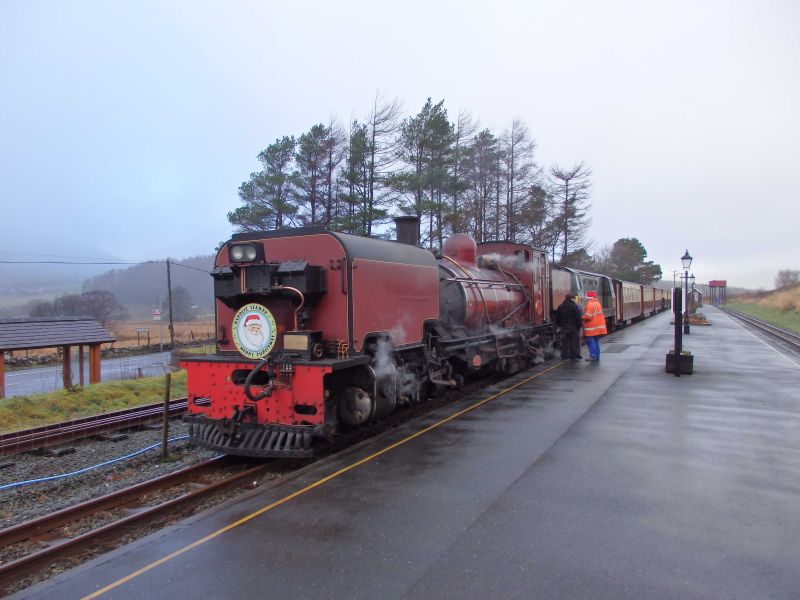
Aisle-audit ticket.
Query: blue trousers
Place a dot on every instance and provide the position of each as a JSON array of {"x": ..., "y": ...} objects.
[{"x": 593, "y": 345}]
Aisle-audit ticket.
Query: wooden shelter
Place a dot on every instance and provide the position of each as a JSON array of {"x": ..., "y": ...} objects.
[{"x": 55, "y": 332}]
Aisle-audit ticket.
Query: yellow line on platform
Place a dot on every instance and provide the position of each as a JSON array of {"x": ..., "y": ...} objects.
[{"x": 310, "y": 487}]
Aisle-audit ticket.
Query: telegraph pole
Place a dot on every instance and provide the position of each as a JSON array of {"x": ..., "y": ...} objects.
[{"x": 169, "y": 300}]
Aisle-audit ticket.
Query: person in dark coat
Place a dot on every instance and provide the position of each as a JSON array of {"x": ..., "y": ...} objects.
[{"x": 569, "y": 321}]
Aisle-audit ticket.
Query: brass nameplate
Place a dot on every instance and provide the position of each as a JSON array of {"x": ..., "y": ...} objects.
[{"x": 295, "y": 342}]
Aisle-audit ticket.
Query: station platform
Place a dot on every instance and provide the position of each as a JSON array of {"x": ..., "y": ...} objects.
[{"x": 586, "y": 480}]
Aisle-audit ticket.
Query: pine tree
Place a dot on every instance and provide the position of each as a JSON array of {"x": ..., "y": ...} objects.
[
  {"x": 481, "y": 174},
  {"x": 268, "y": 196},
  {"x": 424, "y": 146},
  {"x": 310, "y": 158},
  {"x": 355, "y": 179},
  {"x": 626, "y": 260},
  {"x": 535, "y": 219}
]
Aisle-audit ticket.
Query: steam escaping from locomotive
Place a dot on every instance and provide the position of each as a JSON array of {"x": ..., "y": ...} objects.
[
  {"x": 383, "y": 361},
  {"x": 505, "y": 261}
]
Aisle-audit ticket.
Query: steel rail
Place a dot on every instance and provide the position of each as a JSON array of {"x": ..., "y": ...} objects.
[
  {"x": 785, "y": 335},
  {"x": 35, "y": 529},
  {"x": 75, "y": 429}
]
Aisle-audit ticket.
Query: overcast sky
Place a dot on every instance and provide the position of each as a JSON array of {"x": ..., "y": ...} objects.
[{"x": 127, "y": 127}]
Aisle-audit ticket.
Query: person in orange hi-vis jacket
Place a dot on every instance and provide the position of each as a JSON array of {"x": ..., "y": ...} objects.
[{"x": 594, "y": 325}]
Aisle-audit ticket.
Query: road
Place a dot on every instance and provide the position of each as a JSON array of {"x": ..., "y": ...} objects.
[{"x": 47, "y": 379}]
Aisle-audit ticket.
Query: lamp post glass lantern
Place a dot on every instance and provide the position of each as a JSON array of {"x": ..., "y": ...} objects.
[{"x": 686, "y": 261}]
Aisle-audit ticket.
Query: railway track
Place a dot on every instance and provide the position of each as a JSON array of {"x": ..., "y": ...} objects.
[
  {"x": 789, "y": 337},
  {"x": 45, "y": 546},
  {"x": 69, "y": 431},
  {"x": 78, "y": 531}
]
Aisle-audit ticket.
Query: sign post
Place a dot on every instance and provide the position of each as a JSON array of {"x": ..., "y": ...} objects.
[
  {"x": 139, "y": 333},
  {"x": 157, "y": 317}
]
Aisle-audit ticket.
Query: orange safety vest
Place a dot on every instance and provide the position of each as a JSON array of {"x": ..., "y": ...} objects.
[{"x": 594, "y": 323}]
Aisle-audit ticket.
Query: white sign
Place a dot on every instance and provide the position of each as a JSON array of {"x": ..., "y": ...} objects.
[{"x": 156, "y": 315}]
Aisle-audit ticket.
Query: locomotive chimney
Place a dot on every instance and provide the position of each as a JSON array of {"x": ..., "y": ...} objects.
[{"x": 407, "y": 229}]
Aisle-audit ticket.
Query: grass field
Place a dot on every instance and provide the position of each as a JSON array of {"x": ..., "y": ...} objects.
[
  {"x": 786, "y": 319},
  {"x": 125, "y": 332},
  {"x": 204, "y": 349},
  {"x": 24, "y": 412}
]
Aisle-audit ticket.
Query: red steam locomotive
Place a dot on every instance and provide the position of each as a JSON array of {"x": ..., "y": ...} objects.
[{"x": 319, "y": 332}]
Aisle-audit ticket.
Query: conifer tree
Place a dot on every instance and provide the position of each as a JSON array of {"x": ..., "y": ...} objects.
[
  {"x": 268, "y": 196},
  {"x": 480, "y": 173},
  {"x": 310, "y": 158}
]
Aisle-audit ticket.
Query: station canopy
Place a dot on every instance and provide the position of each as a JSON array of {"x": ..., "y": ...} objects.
[
  {"x": 55, "y": 332},
  {"x": 51, "y": 332}
]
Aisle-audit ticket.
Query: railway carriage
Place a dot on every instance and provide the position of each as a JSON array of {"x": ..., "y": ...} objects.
[
  {"x": 648, "y": 300},
  {"x": 629, "y": 301},
  {"x": 575, "y": 282}
]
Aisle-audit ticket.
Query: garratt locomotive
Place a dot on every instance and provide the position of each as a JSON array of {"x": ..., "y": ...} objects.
[{"x": 319, "y": 332}]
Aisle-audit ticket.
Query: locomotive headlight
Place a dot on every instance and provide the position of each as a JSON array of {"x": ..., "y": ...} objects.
[{"x": 243, "y": 252}]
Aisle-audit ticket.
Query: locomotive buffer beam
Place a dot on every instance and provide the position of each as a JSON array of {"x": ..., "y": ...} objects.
[{"x": 251, "y": 439}]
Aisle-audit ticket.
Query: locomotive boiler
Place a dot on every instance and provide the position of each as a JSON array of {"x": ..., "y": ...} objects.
[{"x": 319, "y": 332}]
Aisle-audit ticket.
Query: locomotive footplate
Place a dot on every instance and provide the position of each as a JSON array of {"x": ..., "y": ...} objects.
[{"x": 251, "y": 439}]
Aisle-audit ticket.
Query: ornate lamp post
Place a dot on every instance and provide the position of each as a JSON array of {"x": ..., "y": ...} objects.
[{"x": 686, "y": 261}]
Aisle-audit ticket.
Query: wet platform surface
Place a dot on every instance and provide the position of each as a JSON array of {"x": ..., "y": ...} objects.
[{"x": 610, "y": 480}]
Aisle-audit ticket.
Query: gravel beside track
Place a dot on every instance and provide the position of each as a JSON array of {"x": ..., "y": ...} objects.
[{"x": 33, "y": 500}]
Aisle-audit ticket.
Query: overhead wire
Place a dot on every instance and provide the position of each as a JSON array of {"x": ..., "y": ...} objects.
[
  {"x": 67, "y": 262},
  {"x": 188, "y": 267},
  {"x": 53, "y": 255}
]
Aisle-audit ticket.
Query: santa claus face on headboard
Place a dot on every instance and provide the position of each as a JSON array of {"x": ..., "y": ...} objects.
[{"x": 254, "y": 330}]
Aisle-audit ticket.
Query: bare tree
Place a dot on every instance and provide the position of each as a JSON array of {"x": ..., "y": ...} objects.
[
  {"x": 520, "y": 171},
  {"x": 602, "y": 259},
  {"x": 334, "y": 146},
  {"x": 498, "y": 190},
  {"x": 481, "y": 174},
  {"x": 382, "y": 126},
  {"x": 571, "y": 188},
  {"x": 466, "y": 128},
  {"x": 98, "y": 304},
  {"x": 787, "y": 278}
]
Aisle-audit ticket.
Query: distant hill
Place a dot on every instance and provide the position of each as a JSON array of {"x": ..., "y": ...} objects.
[{"x": 139, "y": 287}]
